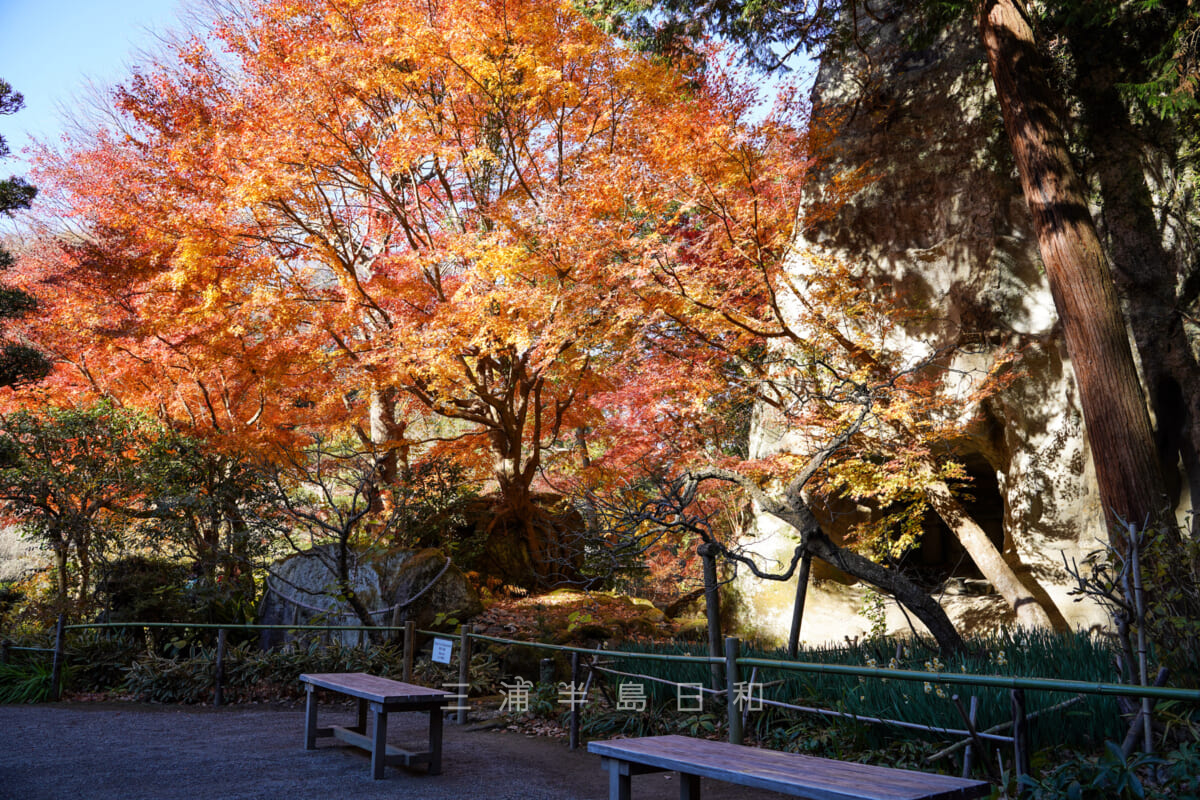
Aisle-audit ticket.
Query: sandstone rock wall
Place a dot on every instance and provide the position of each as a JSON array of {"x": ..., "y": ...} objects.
[{"x": 945, "y": 222}]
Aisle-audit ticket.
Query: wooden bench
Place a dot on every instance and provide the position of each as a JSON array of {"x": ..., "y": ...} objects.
[
  {"x": 789, "y": 773},
  {"x": 380, "y": 695}
]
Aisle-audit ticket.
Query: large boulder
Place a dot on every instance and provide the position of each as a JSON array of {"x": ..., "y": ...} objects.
[
  {"x": 19, "y": 557},
  {"x": 418, "y": 585}
]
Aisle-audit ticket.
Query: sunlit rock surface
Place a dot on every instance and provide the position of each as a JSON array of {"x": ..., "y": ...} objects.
[{"x": 945, "y": 223}]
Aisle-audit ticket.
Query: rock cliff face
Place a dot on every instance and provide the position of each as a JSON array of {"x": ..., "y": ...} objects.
[{"x": 945, "y": 222}]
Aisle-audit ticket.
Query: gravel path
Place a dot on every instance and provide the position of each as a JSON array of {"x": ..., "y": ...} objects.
[{"x": 126, "y": 751}]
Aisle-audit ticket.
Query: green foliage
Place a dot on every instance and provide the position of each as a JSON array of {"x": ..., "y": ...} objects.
[
  {"x": 19, "y": 363},
  {"x": 250, "y": 673},
  {"x": 1112, "y": 776},
  {"x": 1073, "y": 656},
  {"x": 145, "y": 589},
  {"x": 98, "y": 659},
  {"x": 1172, "y": 576},
  {"x": 25, "y": 683},
  {"x": 431, "y": 504}
]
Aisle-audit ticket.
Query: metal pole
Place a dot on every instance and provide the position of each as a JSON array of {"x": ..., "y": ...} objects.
[
  {"x": 219, "y": 671},
  {"x": 57, "y": 666},
  {"x": 731, "y": 686},
  {"x": 410, "y": 637},
  {"x": 969, "y": 751},
  {"x": 464, "y": 671},
  {"x": 573, "y": 742}
]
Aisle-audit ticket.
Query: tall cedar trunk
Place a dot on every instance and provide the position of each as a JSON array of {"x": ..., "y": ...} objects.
[
  {"x": 1114, "y": 411},
  {"x": 987, "y": 558},
  {"x": 1146, "y": 274}
]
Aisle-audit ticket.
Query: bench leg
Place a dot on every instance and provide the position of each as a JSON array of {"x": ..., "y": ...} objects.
[
  {"x": 378, "y": 741},
  {"x": 310, "y": 717},
  {"x": 435, "y": 741},
  {"x": 361, "y": 725},
  {"x": 689, "y": 786},
  {"x": 618, "y": 780}
]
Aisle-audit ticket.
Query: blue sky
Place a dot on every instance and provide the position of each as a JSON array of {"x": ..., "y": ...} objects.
[{"x": 51, "y": 49}]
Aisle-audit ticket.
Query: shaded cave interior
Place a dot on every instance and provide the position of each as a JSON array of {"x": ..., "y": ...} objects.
[{"x": 939, "y": 562}]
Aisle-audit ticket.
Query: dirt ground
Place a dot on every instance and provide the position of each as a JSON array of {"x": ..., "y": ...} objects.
[{"x": 129, "y": 751}]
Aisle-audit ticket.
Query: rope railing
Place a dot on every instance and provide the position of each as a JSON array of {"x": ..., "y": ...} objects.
[{"x": 732, "y": 662}]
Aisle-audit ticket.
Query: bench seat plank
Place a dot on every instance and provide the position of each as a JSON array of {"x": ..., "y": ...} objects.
[
  {"x": 790, "y": 773},
  {"x": 374, "y": 688}
]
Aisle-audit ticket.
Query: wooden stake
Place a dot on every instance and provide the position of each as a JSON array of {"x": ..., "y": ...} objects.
[
  {"x": 731, "y": 680},
  {"x": 410, "y": 636},
  {"x": 798, "y": 605},
  {"x": 219, "y": 671},
  {"x": 1020, "y": 734},
  {"x": 464, "y": 671},
  {"x": 573, "y": 742},
  {"x": 56, "y": 668}
]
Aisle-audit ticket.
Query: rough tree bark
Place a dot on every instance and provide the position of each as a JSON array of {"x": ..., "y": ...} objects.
[
  {"x": 1155, "y": 283},
  {"x": 1114, "y": 410}
]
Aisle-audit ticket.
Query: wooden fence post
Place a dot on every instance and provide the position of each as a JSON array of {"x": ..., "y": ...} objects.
[
  {"x": 464, "y": 671},
  {"x": 219, "y": 670},
  {"x": 410, "y": 637},
  {"x": 731, "y": 689},
  {"x": 1020, "y": 734},
  {"x": 56, "y": 668}
]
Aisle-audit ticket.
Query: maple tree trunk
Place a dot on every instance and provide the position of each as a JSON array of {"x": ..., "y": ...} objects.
[
  {"x": 386, "y": 430},
  {"x": 911, "y": 596},
  {"x": 1114, "y": 411},
  {"x": 987, "y": 558},
  {"x": 550, "y": 561},
  {"x": 85, "y": 569},
  {"x": 60, "y": 567},
  {"x": 915, "y": 599}
]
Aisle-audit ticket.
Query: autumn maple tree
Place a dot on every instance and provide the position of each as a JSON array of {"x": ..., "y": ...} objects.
[{"x": 365, "y": 214}]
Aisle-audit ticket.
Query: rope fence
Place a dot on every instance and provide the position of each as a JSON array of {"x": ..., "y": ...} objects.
[{"x": 731, "y": 665}]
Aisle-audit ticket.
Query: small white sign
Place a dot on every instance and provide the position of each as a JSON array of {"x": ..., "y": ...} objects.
[{"x": 442, "y": 648}]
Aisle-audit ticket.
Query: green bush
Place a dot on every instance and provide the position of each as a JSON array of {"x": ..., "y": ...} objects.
[
  {"x": 100, "y": 659},
  {"x": 249, "y": 673},
  {"x": 1111, "y": 776}
]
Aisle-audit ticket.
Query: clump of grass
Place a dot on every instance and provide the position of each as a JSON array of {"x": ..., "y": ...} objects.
[{"x": 25, "y": 683}]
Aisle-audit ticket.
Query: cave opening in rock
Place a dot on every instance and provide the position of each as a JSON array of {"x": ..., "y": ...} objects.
[{"x": 939, "y": 561}]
